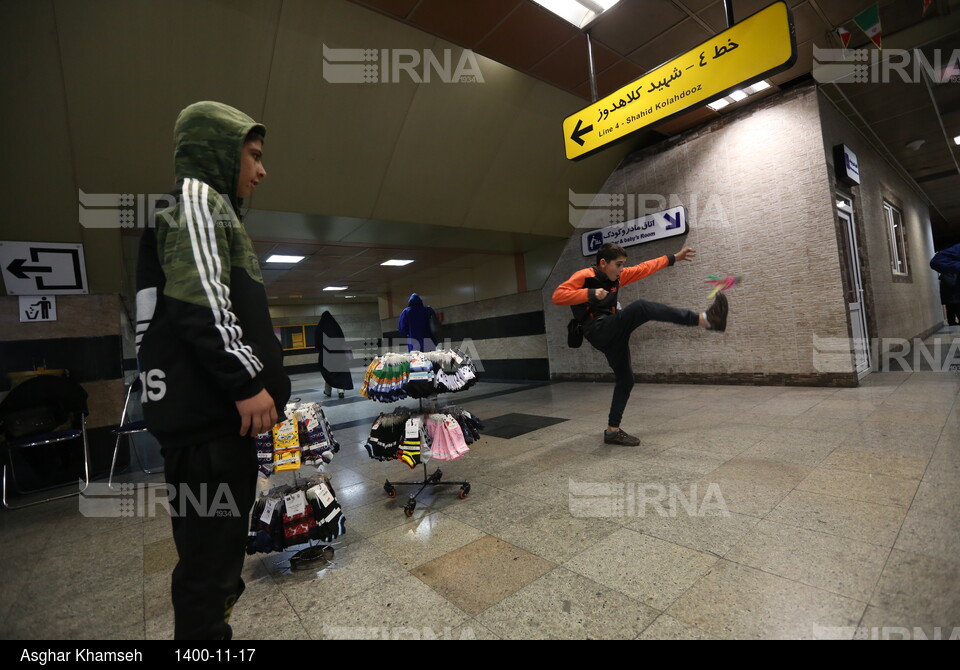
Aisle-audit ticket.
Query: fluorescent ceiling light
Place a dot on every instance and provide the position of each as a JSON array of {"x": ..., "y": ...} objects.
[
  {"x": 397, "y": 262},
  {"x": 759, "y": 86},
  {"x": 738, "y": 95},
  {"x": 349, "y": 296},
  {"x": 336, "y": 288},
  {"x": 577, "y": 12},
  {"x": 956, "y": 140},
  {"x": 278, "y": 258}
]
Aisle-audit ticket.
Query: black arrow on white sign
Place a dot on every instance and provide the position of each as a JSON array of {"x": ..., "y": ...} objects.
[
  {"x": 580, "y": 131},
  {"x": 19, "y": 270}
]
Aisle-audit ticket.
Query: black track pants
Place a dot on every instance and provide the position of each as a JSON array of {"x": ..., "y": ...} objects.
[
  {"x": 617, "y": 352},
  {"x": 215, "y": 485}
]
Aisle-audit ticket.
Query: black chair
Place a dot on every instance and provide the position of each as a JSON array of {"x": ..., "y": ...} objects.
[
  {"x": 42, "y": 411},
  {"x": 126, "y": 429}
]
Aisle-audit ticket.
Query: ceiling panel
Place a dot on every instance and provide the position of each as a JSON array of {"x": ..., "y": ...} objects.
[
  {"x": 465, "y": 26},
  {"x": 526, "y": 37},
  {"x": 839, "y": 12},
  {"x": 567, "y": 67},
  {"x": 620, "y": 74},
  {"x": 631, "y": 23},
  {"x": 693, "y": 6},
  {"x": 808, "y": 24},
  {"x": 399, "y": 9},
  {"x": 678, "y": 40}
]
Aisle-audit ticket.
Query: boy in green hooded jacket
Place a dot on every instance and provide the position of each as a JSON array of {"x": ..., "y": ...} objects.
[{"x": 211, "y": 367}]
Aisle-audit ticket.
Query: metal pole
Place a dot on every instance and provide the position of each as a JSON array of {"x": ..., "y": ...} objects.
[
  {"x": 728, "y": 8},
  {"x": 593, "y": 70}
]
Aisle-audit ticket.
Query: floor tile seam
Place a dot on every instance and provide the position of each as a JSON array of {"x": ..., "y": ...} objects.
[
  {"x": 874, "y": 592},
  {"x": 409, "y": 573},
  {"x": 73, "y": 539},
  {"x": 843, "y": 497},
  {"x": 767, "y": 572},
  {"x": 401, "y": 525},
  {"x": 514, "y": 493},
  {"x": 649, "y": 533},
  {"x": 687, "y": 590},
  {"x": 496, "y": 534},
  {"x": 369, "y": 586},
  {"x": 861, "y": 472},
  {"x": 293, "y": 609},
  {"x": 560, "y": 566},
  {"x": 803, "y": 583},
  {"x": 822, "y": 532},
  {"x": 616, "y": 589}
]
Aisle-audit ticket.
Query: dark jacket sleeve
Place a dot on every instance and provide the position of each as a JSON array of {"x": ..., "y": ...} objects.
[
  {"x": 404, "y": 326},
  {"x": 947, "y": 260}
]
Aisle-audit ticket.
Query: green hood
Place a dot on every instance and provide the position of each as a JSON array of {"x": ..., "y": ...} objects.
[{"x": 209, "y": 139}]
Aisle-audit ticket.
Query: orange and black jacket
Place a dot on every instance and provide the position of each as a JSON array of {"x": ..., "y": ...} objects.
[{"x": 579, "y": 292}]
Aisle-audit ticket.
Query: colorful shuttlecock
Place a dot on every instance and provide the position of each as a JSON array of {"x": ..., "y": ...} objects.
[{"x": 721, "y": 283}]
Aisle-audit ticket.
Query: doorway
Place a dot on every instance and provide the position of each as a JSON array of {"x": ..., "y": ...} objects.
[{"x": 853, "y": 284}]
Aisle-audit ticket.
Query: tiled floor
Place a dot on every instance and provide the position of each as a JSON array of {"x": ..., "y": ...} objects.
[{"x": 748, "y": 512}]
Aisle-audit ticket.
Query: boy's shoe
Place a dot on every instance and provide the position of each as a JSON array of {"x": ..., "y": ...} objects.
[
  {"x": 620, "y": 438},
  {"x": 717, "y": 313}
]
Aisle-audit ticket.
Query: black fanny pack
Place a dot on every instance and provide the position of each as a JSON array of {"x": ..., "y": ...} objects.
[{"x": 574, "y": 334}]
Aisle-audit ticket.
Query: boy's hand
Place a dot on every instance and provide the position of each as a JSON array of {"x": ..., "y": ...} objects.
[
  {"x": 685, "y": 254},
  {"x": 600, "y": 294},
  {"x": 257, "y": 414}
]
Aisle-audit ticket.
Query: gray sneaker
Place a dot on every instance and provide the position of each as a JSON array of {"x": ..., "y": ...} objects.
[{"x": 620, "y": 438}]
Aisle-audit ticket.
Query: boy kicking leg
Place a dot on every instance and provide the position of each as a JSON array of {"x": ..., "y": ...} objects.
[{"x": 592, "y": 295}]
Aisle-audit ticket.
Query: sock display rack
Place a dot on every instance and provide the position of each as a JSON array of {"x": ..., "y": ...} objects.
[
  {"x": 415, "y": 435},
  {"x": 306, "y": 512}
]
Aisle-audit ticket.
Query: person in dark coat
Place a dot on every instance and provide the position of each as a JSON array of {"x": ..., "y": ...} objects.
[
  {"x": 947, "y": 263},
  {"x": 416, "y": 324}
]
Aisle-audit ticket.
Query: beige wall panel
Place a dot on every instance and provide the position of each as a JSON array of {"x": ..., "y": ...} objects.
[
  {"x": 130, "y": 67},
  {"x": 77, "y": 316},
  {"x": 39, "y": 191},
  {"x": 334, "y": 140}
]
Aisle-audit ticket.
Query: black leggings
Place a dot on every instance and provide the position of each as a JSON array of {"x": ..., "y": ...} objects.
[
  {"x": 618, "y": 352},
  {"x": 211, "y": 543}
]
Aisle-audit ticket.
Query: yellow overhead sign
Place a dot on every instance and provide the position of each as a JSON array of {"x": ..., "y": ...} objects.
[{"x": 751, "y": 50}]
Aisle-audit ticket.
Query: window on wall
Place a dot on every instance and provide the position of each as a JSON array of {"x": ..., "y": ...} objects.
[{"x": 898, "y": 246}]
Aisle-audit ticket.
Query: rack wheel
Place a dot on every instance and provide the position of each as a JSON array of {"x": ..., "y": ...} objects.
[
  {"x": 340, "y": 395},
  {"x": 409, "y": 507},
  {"x": 464, "y": 491},
  {"x": 391, "y": 492},
  {"x": 435, "y": 477}
]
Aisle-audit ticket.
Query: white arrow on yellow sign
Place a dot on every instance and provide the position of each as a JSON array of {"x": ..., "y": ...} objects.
[{"x": 754, "y": 49}]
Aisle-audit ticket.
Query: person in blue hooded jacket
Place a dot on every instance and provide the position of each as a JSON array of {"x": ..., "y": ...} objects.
[
  {"x": 947, "y": 261},
  {"x": 416, "y": 325}
]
